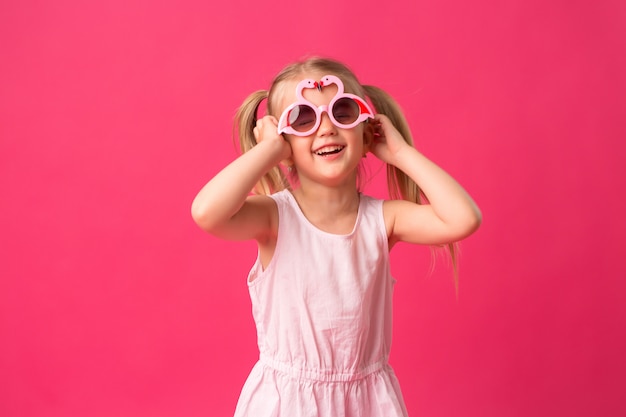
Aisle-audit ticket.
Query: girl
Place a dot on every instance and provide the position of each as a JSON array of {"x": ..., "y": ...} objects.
[{"x": 321, "y": 287}]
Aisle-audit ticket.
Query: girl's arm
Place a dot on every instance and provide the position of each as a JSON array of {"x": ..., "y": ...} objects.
[
  {"x": 451, "y": 215},
  {"x": 224, "y": 208}
]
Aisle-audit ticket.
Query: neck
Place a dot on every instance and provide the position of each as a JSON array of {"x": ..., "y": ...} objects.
[
  {"x": 332, "y": 209},
  {"x": 334, "y": 199}
]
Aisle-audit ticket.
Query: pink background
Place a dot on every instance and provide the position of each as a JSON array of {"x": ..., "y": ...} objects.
[{"x": 113, "y": 115}]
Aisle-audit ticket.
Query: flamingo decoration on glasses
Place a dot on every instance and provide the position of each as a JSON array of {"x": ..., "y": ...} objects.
[
  {"x": 308, "y": 83},
  {"x": 331, "y": 79},
  {"x": 365, "y": 112}
]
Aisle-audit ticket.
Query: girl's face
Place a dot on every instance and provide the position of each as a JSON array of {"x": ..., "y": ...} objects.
[{"x": 329, "y": 155}]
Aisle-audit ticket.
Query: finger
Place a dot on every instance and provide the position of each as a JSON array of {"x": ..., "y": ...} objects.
[{"x": 381, "y": 118}]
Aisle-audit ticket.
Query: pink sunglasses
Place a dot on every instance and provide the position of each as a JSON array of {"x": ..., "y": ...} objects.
[{"x": 345, "y": 110}]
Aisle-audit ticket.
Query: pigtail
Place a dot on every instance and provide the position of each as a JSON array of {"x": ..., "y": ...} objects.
[
  {"x": 400, "y": 185},
  {"x": 245, "y": 121}
]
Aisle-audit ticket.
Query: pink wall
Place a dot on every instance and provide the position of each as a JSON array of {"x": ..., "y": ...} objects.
[{"x": 113, "y": 303}]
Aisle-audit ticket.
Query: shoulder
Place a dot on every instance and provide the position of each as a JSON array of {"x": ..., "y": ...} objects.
[
  {"x": 279, "y": 197},
  {"x": 390, "y": 207},
  {"x": 260, "y": 201},
  {"x": 402, "y": 218},
  {"x": 256, "y": 219},
  {"x": 370, "y": 201},
  {"x": 268, "y": 204},
  {"x": 274, "y": 206}
]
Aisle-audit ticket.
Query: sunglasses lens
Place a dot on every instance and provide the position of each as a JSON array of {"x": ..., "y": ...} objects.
[
  {"x": 301, "y": 118},
  {"x": 346, "y": 111}
]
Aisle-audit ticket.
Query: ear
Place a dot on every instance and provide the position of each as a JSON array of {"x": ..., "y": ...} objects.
[
  {"x": 368, "y": 136},
  {"x": 287, "y": 163}
]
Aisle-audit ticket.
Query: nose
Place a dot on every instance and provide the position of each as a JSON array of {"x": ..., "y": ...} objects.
[{"x": 327, "y": 127}]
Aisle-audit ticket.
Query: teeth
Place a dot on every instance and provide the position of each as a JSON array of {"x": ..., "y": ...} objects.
[{"x": 329, "y": 149}]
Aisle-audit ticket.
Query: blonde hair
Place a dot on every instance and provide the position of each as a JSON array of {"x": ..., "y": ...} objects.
[{"x": 400, "y": 185}]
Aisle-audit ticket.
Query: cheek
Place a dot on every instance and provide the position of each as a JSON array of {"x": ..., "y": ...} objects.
[
  {"x": 298, "y": 144},
  {"x": 361, "y": 134}
]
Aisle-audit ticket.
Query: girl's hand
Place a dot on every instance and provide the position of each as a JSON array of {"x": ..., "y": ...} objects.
[
  {"x": 266, "y": 130},
  {"x": 387, "y": 141}
]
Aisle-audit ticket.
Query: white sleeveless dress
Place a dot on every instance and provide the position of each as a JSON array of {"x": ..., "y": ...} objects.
[{"x": 323, "y": 314}]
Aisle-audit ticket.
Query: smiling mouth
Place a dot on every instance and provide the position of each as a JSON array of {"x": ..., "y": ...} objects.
[{"x": 329, "y": 150}]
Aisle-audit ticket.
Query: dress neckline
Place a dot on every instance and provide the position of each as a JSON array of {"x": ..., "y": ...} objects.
[{"x": 300, "y": 213}]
